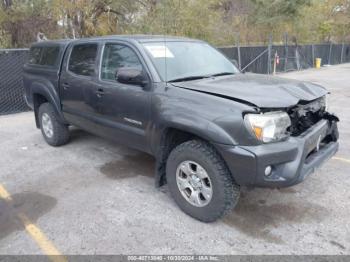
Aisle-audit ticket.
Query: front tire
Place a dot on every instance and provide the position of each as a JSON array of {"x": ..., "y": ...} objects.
[
  {"x": 200, "y": 182},
  {"x": 54, "y": 132}
]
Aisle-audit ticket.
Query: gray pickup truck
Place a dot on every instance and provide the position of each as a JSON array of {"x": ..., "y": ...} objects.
[{"x": 211, "y": 128}]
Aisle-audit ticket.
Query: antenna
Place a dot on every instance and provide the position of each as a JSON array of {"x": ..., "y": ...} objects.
[{"x": 165, "y": 47}]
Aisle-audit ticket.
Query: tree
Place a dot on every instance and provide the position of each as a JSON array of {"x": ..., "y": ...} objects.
[
  {"x": 217, "y": 21},
  {"x": 21, "y": 21},
  {"x": 99, "y": 17}
]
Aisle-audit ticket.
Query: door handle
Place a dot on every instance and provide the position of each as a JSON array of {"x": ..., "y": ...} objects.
[
  {"x": 65, "y": 86},
  {"x": 100, "y": 92}
]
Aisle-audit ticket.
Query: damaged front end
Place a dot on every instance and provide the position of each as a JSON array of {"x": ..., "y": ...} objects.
[
  {"x": 307, "y": 114},
  {"x": 311, "y": 139}
]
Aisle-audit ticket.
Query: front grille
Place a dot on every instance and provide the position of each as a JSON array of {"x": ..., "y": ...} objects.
[{"x": 303, "y": 116}]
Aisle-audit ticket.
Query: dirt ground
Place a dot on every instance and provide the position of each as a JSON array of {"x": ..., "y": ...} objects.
[{"x": 95, "y": 197}]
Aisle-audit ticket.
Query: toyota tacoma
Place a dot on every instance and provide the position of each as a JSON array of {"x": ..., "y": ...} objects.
[{"x": 211, "y": 128}]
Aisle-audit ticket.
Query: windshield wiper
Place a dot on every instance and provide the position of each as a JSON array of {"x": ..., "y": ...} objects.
[
  {"x": 223, "y": 74},
  {"x": 188, "y": 78}
]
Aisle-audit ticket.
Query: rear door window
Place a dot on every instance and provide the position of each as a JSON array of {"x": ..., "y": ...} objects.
[{"x": 82, "y": 59}]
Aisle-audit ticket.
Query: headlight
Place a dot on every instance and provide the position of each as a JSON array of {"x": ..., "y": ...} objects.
[
  {"x": 326, "y": 102},
  {"x": 268, "y": 127},
  {"x": 323, "y": 102}
]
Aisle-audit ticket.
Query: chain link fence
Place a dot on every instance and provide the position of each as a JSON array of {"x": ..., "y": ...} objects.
[
  {"x": 261, "y": 59},
  {"x": 255, "y": 59},
  {"x": 11, "y": 85}
]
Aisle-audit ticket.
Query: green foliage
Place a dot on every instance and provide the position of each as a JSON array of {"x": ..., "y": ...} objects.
[
  {"x": 21, "y": 20},
  {"x": 272, "y": 11},
  {"x": 217, "y": 21},
  {"x": 196, "y": 19}
]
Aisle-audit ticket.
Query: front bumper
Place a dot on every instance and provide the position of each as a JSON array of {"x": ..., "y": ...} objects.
[{"x": 291, "y": 160}]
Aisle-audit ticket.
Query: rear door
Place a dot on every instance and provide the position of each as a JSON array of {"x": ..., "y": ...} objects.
[{"x": 77, "y": 88}]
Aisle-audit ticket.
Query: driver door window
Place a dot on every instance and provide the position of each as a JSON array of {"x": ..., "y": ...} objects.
[{"x": 116, "y": 56}]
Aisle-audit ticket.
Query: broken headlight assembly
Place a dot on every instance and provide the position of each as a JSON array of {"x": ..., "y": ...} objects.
[
  {"x": 268, "y": 127},
  {"x": 326, "y": 102}
]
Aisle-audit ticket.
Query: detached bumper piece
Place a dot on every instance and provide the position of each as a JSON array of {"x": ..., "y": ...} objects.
[{"x": 284, "y": 163}]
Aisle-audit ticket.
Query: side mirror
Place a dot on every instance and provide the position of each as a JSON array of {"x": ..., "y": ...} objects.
[{"x": 131, "y": 76}]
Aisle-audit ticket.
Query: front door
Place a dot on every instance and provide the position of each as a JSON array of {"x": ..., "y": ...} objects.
[{"x": 122, "y": 107}]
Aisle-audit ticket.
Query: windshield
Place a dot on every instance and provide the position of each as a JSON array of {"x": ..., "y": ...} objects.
[{"x": 188, "y": 60}]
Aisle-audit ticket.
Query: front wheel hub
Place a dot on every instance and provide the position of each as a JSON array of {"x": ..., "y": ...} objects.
[{"x": 194, "y": 183}]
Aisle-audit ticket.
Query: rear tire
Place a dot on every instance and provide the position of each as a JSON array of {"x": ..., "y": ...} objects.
[
  {"x": 54, "y": 132},
  {"x": 208, "y": 174}
]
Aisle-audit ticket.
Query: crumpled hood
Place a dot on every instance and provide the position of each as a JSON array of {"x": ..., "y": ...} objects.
[{"x": 260, "y": 90}]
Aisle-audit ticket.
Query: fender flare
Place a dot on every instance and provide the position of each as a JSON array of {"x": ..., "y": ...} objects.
[
  {"x": 49, "y": 92},
  {"x": 203, "y": 129},
  {"x": 200, "y": 127}
]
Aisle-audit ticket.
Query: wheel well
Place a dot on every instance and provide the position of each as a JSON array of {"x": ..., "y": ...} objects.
[
  {"x": 171, "y": 138},
  {"x": 38, "y": 100}
]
